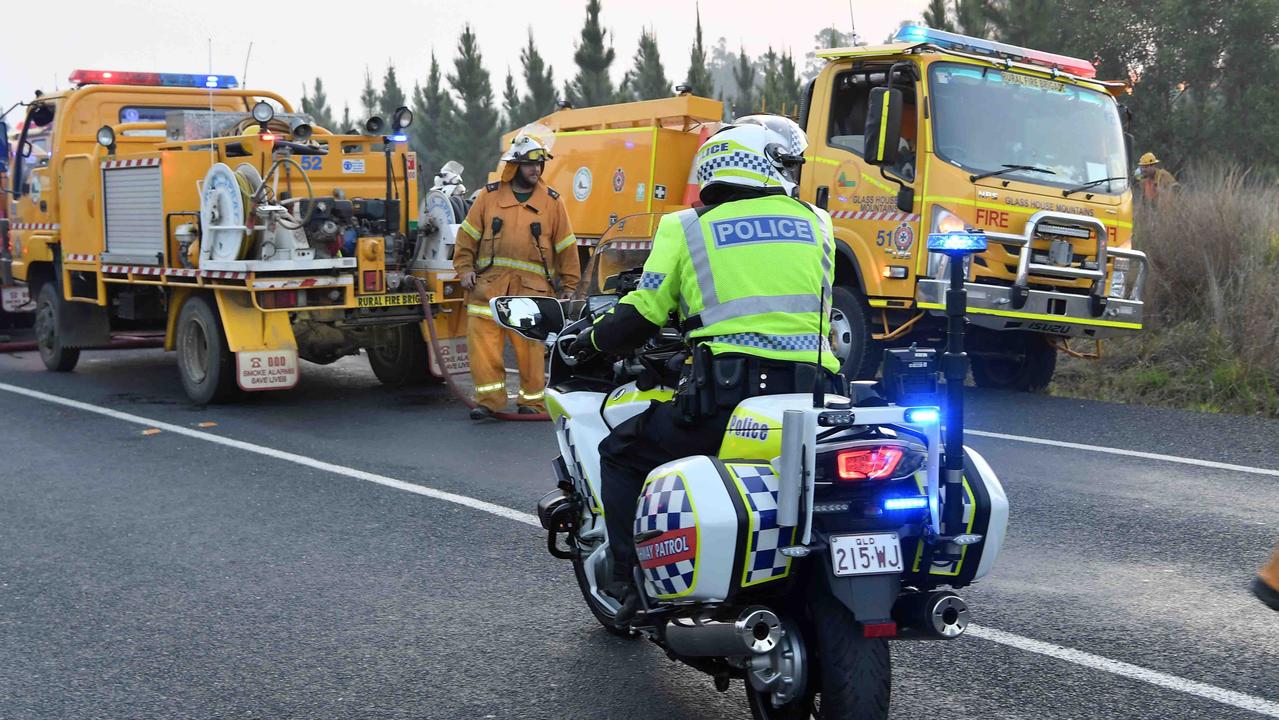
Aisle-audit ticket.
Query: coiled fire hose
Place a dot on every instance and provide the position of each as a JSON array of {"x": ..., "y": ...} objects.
[{"x": 425, "y": 296}]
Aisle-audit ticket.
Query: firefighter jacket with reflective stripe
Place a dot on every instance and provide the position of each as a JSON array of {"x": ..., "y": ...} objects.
[
  {"x": 752, "y": 276},
  {"x": 517, "y": 248}
]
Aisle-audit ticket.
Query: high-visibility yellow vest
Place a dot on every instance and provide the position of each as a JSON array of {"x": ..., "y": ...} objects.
[{"x": 755, "y": 275}]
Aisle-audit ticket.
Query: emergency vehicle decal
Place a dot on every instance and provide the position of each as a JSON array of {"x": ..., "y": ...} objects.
[
  {"x": 669, "y": 561},
  {"x": 34, "y": 226},
  {"x": 172, "y": 272},
  {"x": 758, "y": 486},
  {"x": 138, "y": 162},
  {"x": 873, "y": 215},
  {"x": 582, "y": 183},
  {"x": 619, "y": 180},
  {"x": 79, "y": 258}
]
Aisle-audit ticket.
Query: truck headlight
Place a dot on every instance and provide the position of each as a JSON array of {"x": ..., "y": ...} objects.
[{"x": 944, "y": 221}]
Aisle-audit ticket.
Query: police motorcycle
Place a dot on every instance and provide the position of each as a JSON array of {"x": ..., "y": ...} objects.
[{"x": 825, "y": 526}]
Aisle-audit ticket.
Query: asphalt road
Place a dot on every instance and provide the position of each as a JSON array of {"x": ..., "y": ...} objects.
[{"x": 157, "y": 575}]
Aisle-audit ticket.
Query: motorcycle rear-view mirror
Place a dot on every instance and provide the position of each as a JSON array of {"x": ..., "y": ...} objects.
[{"x": 536, "y": 318}]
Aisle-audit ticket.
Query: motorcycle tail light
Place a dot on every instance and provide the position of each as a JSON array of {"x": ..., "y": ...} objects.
[{"x": 869, "y": 463}]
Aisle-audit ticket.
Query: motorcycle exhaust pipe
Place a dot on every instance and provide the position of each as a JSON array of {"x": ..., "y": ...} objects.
[
  {"x": 940, "y": 615},
  {"x": 755, "y": 631}
]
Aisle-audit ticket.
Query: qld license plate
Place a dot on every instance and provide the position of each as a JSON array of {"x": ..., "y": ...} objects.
[
  {"x": 377, "y": 301},
  {"x": 867, "y": 554}
]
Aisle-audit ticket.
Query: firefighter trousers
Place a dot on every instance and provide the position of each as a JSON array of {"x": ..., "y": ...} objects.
[{"x": 486, "y": 342}]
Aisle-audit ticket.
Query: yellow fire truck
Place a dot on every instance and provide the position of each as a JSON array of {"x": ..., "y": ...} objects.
[
  {"x": 967, "y": 133},
  {"x": 217, "y": 215}
]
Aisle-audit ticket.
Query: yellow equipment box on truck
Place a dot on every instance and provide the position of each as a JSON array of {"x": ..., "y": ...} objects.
[
  {"x": 251, "y": 237},
  {"x": 1025, "y": 145}
]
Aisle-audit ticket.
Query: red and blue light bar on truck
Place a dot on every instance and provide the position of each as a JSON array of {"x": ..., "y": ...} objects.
[
  {"x": 189, "y": 80},
  {"x": 978, "y": 46}
]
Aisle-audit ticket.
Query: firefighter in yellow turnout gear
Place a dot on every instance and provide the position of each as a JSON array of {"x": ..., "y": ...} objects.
[{"x": 516, "y": 240}]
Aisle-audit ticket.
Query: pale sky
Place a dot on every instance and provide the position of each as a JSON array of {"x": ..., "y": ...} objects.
[{"x": 338, "y": 40}]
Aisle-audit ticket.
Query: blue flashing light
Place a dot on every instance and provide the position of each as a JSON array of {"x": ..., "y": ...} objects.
[
  {"x": 111, "y": 77},
  {"x": 965, "y": 43},
  {"x": 906, "y": 503},
  {"x": 399, "y": 137},
  {"x": 957, "y": 242},
  {"x": 923, "y": 416}
]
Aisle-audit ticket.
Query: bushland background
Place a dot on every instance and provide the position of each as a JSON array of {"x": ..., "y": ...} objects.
[{"x": 1203, "y": 97}]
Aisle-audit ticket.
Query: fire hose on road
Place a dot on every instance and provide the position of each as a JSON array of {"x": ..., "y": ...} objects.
[
  {"x": 119, "y": 342},
  {"x": 453, "y": 387}
]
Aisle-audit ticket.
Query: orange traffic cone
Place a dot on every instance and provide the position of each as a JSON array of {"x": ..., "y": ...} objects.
[{"x": 1266, "y": 585}]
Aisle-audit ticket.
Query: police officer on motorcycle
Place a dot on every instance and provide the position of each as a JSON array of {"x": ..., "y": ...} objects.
[{"x": 748, "y": 276}]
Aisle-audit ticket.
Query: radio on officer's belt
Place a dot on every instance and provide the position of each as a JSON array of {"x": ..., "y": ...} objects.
[{"x": 910, "y": 376}]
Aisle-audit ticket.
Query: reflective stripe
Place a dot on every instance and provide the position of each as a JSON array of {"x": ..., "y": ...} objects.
[
  {"x": 491, "y": 387},
  {"x": 699, "y": 257},
  {"x": 534, "y": 396},
  {"x": 758, "y": 305},
  {"x": 470, "y": 230},
  {"x": 519, "y": 265},
  {"x": 566, "y": 243},
  {"x": 782, "y": 343},
  {"x": 481, "y": 310},
  {"x": 883, "y": 123}
]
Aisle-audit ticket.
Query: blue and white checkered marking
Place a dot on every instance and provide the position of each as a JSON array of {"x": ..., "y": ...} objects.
[
  {"x": 651, "y": 280},
  {"x": 665, "y": 506},
  {"x": 737, "y": 160},
  {"x": 764, "y": 561},
  {"x": 807, "y": 341}
]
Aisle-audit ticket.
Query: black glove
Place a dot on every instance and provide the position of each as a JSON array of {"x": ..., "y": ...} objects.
[{"x": 584, "y": 343}]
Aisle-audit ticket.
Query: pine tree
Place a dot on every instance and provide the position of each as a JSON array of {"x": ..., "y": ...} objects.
[
  {"x": 699, "y": 76},
  {"x": 346, "y": 118},
  {"x": 392, "y": 97},
  {"x": 317, "y": 106},
  {"x": 773, "y": 93},
  {"x": 647, "y": 79},
  {"x": 539, "y": 84},
  {"x": 512, "y": 104},
  {"x": 592, "y": 85},
  {"x": 790, "y": 84},
  {"x": 973, "y": 17},
  {"x": 937, "y": 15},
  {"x": 475, "y": 133},
  {"x": 829, "y": 37},
  {"x": 432, "y": 122},
  {"x": 369, "y": 100},
  {"x": 744, "y": 102}
]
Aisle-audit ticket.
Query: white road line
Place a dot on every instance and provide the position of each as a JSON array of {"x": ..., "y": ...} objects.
[
  {"x": 1128, "y": 453},
  {"x": 1095, "y": 662},
  {"x": 1134, "y": 672},
  {"x": 488, "y": 507}
]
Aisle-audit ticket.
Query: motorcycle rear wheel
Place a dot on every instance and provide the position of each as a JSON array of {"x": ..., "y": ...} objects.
[
  {"x": 856, "y": 671},
  {"x": 603, "y": 613}
]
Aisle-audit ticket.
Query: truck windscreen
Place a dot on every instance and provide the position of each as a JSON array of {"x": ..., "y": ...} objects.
[{"x": 985, "y": 120}]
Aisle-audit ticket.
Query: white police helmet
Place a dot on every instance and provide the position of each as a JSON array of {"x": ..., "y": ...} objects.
[{"x": 760, "y": 152}]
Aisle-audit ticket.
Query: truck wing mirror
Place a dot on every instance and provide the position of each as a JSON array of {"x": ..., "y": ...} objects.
[{"x": 883, "y": 126}]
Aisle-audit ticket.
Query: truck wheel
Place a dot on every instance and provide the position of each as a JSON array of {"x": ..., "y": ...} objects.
[
  {"x": 48, "y": 308},
  {"x": 204, "y": 361},
  {"x": 1021, "y": 361},
  {"x": 850, "y": 336},
  {"x": 401, "y": 357}
]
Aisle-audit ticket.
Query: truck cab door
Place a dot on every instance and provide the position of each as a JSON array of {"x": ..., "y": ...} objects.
[{"x": 863, "y": 203}]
